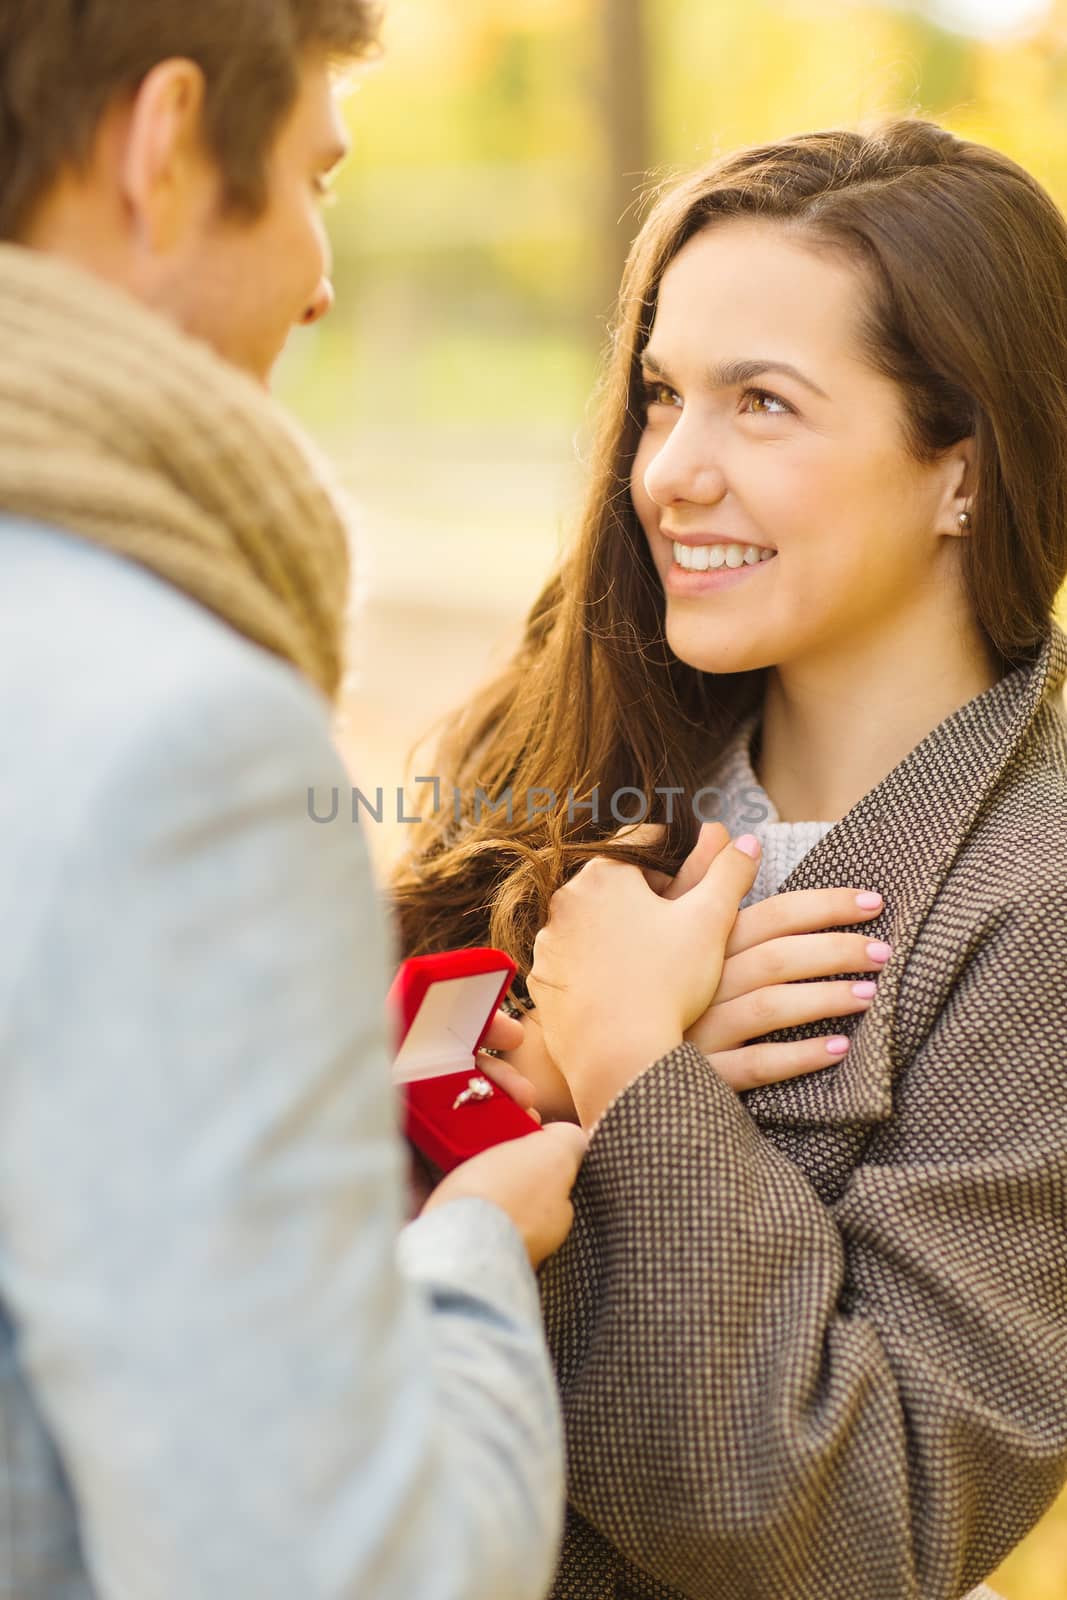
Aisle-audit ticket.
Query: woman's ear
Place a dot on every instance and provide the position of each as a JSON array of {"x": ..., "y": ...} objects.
[{"x": 959, "y": 467}]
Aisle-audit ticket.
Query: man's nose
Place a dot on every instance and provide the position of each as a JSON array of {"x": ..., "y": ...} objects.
[
  {"x": 321, "y": 303},
  {"x": 684, "y": 469}
]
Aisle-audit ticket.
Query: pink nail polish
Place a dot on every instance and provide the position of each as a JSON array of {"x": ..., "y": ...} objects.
[
  {"x": 868, "y": 901},
  {"x": 864, "y": 990},
  {"x": 837, "y": 1045},
  {"x": 748, "y": 844},
  {"x": 878, "y": 950}
]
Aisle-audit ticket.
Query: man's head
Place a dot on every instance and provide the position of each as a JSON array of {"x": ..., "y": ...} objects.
[{"x": 180, "y": 150}]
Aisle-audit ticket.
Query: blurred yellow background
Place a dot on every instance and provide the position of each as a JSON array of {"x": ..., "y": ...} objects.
[{"x": 501, "y": 149}]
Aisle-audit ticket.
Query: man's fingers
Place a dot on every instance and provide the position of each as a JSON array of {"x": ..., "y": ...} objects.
[{"x": 571, "y": 1140}]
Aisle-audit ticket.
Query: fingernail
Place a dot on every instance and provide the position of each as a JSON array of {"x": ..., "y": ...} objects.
[
  {"x": 837, "y": 1045},
  {"x": 748, "y": 845},
  {"x": 868, "y": 901},
  {"x": 878, "y": 950},
  {"x": 864, "y": 990}
]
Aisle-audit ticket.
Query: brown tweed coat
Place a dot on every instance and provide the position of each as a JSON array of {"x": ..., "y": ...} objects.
[{"x": 812, "y": 1343}]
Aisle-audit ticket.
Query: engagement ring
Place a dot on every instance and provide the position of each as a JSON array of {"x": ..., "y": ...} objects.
[{"x": 477, "y": 1089}]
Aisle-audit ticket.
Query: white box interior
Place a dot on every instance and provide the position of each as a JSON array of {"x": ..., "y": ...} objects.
[{"x": 446, "y": 1027}]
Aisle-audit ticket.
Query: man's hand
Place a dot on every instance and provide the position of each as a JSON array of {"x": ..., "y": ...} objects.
[{"x": 530, "y": 1179}]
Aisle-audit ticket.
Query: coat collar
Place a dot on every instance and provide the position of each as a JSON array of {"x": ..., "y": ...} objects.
[{"x": 901, "y": 839}]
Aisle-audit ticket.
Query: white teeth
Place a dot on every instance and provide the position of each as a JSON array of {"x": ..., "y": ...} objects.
[{"x": 701, "y": 557}]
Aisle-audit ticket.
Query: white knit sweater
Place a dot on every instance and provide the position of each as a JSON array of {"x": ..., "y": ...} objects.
[{"x": 746, "y": 807}]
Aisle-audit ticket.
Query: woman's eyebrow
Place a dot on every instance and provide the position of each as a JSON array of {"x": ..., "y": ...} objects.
[{"x": 728, "y": 374}]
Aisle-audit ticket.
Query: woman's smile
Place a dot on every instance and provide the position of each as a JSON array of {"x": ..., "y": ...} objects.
[{"x": 697, "y": 568}]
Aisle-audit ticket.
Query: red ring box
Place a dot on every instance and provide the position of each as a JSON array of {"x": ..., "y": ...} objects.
[{"x": 443, "y": 1006}]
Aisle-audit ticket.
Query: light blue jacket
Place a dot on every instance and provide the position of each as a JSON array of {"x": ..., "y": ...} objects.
[{"x": 214, "y": 1380}]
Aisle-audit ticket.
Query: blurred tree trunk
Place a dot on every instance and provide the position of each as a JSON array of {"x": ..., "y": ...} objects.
[{"x": 626, "y": 96}]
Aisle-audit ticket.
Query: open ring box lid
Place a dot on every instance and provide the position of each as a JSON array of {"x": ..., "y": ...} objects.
[{"x": 443, "y": 1006}]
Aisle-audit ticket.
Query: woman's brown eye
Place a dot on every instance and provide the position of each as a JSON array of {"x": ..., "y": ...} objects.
[
  {"x": 660, "y": 394},
  {"x": 765, "y": 404}
]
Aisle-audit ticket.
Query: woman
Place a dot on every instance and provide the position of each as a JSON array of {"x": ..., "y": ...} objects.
[{"x": 811, "y": 1343}]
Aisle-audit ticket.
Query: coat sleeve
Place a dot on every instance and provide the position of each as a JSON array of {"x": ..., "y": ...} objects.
[
  {"x": 252, "y": 1389},
  {"x": 769, "y": 1394}
]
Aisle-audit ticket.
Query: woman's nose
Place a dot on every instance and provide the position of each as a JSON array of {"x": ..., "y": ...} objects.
[
  {"x": 683, "y": 469},
  {"x": 321, "y": 303}
]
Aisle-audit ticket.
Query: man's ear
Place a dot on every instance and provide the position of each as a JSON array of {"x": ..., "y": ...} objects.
[
  {"x": 957, "y": 498},
  {"x": 165, "y": 171}
]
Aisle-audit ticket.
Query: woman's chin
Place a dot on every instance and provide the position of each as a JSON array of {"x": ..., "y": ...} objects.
[{"x": 719, "y": 655}]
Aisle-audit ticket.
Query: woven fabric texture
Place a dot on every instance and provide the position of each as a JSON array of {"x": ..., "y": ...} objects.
[{"x": 812, "y": 1341}]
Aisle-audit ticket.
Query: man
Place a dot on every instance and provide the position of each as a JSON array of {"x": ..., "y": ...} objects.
[{"x": 218, "y": 1375}]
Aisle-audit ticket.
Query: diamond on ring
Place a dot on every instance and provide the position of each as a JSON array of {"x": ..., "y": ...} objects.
[{"x": 477, "y": 1089}]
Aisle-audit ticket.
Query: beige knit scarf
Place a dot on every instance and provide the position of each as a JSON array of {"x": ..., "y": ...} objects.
[{"x": 118, "y": 428}]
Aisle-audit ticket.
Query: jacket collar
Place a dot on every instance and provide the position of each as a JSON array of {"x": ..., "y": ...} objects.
[{"x": 902, "y": 839}]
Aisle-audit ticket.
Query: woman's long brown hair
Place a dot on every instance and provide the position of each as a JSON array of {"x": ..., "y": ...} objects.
[{"x": 965, "y": 259}]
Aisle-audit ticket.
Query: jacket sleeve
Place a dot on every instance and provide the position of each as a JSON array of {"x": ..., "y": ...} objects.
[
  {"x": 769, "y": 1394},
  {"x": 252, "y": 1390}
]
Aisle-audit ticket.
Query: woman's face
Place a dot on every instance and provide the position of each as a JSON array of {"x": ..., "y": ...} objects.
[{"x": 768, "y": 431}]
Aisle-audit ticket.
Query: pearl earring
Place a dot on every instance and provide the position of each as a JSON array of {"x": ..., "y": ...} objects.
[{"x": 964, "y": 520}]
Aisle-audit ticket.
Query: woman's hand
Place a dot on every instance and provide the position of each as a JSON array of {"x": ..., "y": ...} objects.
[
  {"x": 610, "y": 934},
  {"x": 551, "y": 1094},
  {"x": 508, "y": 1071},
  {"x": 772, "y": 946}
]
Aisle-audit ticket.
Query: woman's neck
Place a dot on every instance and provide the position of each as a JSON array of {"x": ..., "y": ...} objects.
[{"x": 833, "y": 727}]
